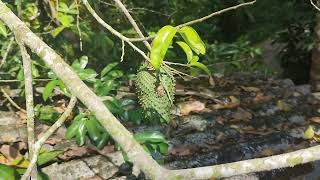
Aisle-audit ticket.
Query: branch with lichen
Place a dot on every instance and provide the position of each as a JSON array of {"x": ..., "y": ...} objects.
[
  {"x": 47, "y": 134},
  {"x": 27, "y": 69}
]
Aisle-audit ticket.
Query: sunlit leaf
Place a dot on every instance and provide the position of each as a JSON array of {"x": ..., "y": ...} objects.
[
  {"x": 186, "y": 49},
  {"x": 48, "y": 89},
  {"x": 46, "y": 157},
  {"x": 160, "y": 45},
  {"x": 193, "y": 39},
  {"x": 149, "y": 136},
  {"x": 201, "y": 66}
]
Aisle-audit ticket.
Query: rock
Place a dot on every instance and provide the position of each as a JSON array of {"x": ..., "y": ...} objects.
[
  {"x": 303, "y": 89},
  {"x": 74, "y": 169},
  {"x": 297, "y": 119},
  {"x": 194, "y": 122},
  {"x": 8, "y": 118},
  {"x": 102, "y": 166}
]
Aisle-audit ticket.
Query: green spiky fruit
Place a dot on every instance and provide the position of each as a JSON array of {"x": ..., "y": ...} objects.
[{"x": 156, "y": 91}]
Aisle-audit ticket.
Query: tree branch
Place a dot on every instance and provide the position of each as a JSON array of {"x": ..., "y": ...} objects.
[
  {"x": 47, "y": 134},
  {"x": 202, "y": 19},
  {"x": 27, "y": 69},
  {"x": 133, "y": 22},
  {"x": 215, "y": 14},
  {"x": 113, "y": 31}
]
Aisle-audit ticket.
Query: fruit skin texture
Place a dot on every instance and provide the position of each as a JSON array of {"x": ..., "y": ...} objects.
[{"x": 156, "y": 91}]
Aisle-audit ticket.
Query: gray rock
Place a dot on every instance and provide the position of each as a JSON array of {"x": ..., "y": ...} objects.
[
  {"x": 71, "y": 170},
  {"x": 297, "y": 119},
  {"x": 102, "y": 166}
]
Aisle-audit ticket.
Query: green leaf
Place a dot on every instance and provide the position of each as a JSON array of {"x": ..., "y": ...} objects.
[
  {"x": 108, "y": 68},
  {"x": 115, "y": 74},
  {"x": 93, "y": 131},
  {"x": 88, "y": 75},
  {"x": 72, "y": 130},
  {"x": 3, "y": 29},
  {"x": 81, "y": 132},
  {"x": 42, "y": 176},
  {"x": 80, "y": 64},
  {"x": 35, "y": 71},
  {"x": 66, "y": 20},
  {"x": 103, "y": 141},
  {"x": 186, "y": 49},
  {"x": 48, "y": 114},
  {"x": 8, "y": 173},
  {"x": 149, "y": 136},
  {"x": 193, "y": 39},
  {"x": 48, "y": 89},
  {"x": 46, "y": 157},
  {"x": 160, "y": 45},
  {"x": 57, "y": 31},
  {"x": 163, "y": 148},
  {"x": 63, "y": 88},
  {"x": 103, "y": 88},
  {"x": 63, "y": 7},
  {"x": 201, "y": 66}
]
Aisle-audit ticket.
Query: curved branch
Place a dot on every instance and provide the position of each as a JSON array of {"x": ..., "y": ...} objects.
[
  {"x": 215, "y": 14},
  {"x": 133, "y": 22},
  {"x": 113, "y": 31},
  {"x": 47, "y": 134}
]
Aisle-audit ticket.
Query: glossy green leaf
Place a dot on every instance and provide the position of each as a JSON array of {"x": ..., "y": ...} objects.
[
  {"x": 57, "y": 31},
  {"x": 48, "y": 114},
  {"x": 72, "y": 9},
  {"x": 72, "y": 130},
  {"x": 186, "y": 49},
  {"x": 193, "y": 39},
  {"x": 42, "y": 176},
  {"x": 163, "y": 148},
  {"x": 160, "y": 45},
  {"x": 65, "y": 20},
  {"x": 87, "y": 75},
  {"x": 48, "y": 89},
  {"x": 8, "y": 173},
  {"x": 35, "y": 71},
  {"x": 81, "y": 132},
  {"x": 201, "y": 66},
  {"x": 149, "y": 136},
  {"x": 81, "y": 63},
  {"x": 46, "y": 157},
  {"x": 63, "y": 88},
  {"x": 103, "y": 88},
  {"x": 103, "y": 141},
  {"x": 93, "y": 130},
  {"x": 108, "y": 68}
]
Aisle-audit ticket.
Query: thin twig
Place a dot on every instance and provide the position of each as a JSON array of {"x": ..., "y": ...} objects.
[
  {"x": 16, "y": 80},
  {"x": 27, "y": 69},
  {"x": 314, "y": 5},
  {"x": 132, "y": 21},
  {"x": 201, "y": 19},
  {"x": 122, "y": 54},
  {"x": 78, "y": 25},
  {"x": 7, "y": 52},
  {"x": 113, "y": 31},
  {"x": 6, "y": 95},
  {"x": 47, "y": 134}
]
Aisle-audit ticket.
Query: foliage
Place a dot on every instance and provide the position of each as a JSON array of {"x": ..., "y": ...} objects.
[
  {"x": 153, "y": 142},
  {"x": 84, "y": 126},
  {"x": 233, "y": 57}
]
